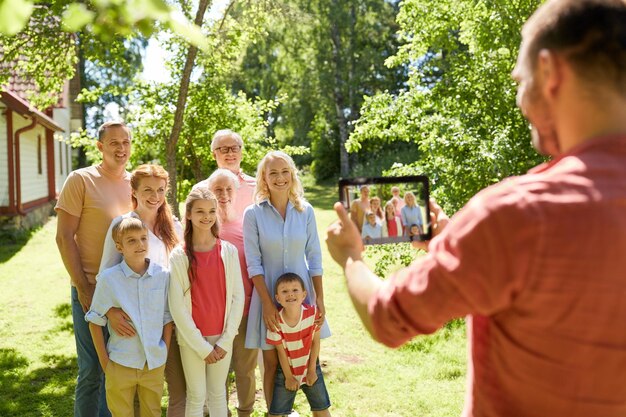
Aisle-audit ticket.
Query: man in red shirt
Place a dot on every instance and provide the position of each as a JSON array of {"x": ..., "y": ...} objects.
[{"x": 545, "y": 298}]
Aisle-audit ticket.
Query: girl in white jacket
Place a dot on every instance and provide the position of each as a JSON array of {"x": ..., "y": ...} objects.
[{"x": 206, "y": 300}]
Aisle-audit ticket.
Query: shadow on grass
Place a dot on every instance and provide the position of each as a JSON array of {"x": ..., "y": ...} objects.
[
  {"x": 13, "y": 241},
  {"x": 323, "y": 195},
  {"x": 64, "y": 312},
  {"x": 43, "y": 391}
]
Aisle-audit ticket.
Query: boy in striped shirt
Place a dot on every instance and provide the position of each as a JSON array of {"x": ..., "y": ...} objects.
[{"x": 297, "y": 343}]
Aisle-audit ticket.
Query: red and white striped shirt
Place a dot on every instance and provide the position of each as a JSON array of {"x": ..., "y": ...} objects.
[{"x": 296, "y": 340}]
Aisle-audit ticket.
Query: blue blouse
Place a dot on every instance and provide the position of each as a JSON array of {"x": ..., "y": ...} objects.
[
  {"x": 274, "y": 246},
  {"x": 411, "y": 215}
]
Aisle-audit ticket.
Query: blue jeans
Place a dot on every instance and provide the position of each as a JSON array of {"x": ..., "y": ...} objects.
[
  {"x": 90, "y": 396},
  {"x": 283, "y": 399}
]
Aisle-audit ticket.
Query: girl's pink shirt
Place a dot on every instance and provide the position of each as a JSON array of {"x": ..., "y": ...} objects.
[{"x": 208, "y": 292}]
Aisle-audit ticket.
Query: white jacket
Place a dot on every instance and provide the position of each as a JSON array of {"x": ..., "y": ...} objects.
[{"x": 179, "y": 297}]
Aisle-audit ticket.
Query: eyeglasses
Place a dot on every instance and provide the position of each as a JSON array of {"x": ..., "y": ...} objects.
[{"x": 225, "y": 149}]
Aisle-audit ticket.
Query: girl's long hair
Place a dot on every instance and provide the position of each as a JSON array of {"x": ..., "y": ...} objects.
[
  {"x": 262, "y": 191},
  {"x": 164, "y": 225},
  {"x": 393, "y": 211},
  {"x": 199, "y": 193}
]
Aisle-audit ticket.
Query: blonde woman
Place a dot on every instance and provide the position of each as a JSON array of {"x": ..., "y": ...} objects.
[
  {"x": 411, "y": 214},
  {"x": 280, "y": 235}
]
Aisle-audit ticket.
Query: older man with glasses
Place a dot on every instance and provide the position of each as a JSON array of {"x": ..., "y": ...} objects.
[{"x": 227, "y": 147}]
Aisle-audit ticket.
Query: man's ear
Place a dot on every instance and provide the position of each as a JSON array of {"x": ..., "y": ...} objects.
[
  {"x": 99, "y": 145},
  {"x": 118, "y": 247},
  {"x": 550, "y": 70}
]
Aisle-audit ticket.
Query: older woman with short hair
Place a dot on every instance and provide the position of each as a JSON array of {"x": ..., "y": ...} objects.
[{"x": 225, "y": 185}]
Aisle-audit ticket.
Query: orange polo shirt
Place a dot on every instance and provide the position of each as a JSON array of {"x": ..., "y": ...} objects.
[{"x": 96, "y": 197}]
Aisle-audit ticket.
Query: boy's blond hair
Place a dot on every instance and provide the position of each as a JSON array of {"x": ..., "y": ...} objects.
[{"x": 127, "y": 224}]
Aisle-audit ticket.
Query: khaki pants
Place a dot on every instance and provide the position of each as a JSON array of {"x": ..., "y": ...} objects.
[
  {"x": 122, "y": 383},
  {"x": 244, "y": 363},
  {"x": 175, "y": 378}
]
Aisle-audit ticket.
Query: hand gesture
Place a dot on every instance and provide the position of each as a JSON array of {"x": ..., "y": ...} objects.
[
  {"x": 219, "y": 352},
  {"x": 438, "y": 220},
  {"x": 311, "y": 377},
  {"x": 85, "y": 295},
  {"x": 216, "y": 355},
  {"x": 120, "y": 322},
  {"x": 321, "y": 312},
  {"x": 103, "y": 363},
  {"x": 211, "y": 358},
  {"x": 343, "y": 238},
  {"x": 291, "y": 383},
  {"x": 270, "y": 316}
]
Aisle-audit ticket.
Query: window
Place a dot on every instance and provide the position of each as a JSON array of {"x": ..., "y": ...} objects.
[
  {"x": 39, "y": 164},
  {"x": 60, "y": 158}
]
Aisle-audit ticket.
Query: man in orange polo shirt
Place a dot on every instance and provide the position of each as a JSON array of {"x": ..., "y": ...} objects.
[
  {"x": 544, "y": 297},
  {"x": 91, "y": 197}
]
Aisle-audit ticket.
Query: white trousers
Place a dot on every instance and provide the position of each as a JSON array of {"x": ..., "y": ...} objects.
[{"x": 205, "y": 382}]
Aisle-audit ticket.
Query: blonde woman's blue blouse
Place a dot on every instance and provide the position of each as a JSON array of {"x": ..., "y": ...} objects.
[{"x": 274, "y": 246}]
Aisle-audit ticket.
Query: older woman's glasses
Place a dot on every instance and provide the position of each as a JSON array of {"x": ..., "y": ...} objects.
[{"x": 225, "y": 149}]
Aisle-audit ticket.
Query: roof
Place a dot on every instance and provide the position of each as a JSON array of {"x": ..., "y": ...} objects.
[
  {"x": 18, "y": 85},
  {"x": 20, "y": 105}
]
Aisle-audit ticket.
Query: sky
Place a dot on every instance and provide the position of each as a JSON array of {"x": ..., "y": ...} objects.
[{"x": 154, "y": 70}]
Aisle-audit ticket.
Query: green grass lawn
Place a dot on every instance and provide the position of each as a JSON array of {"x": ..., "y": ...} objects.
[{"x": 364, "y": 378}]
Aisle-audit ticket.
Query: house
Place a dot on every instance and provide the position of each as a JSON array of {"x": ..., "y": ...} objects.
[{"x": 35, "y": 158}]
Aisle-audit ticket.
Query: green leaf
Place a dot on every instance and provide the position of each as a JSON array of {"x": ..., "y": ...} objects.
[
  {"x": 76, "y": 16},
  {"x": 156, "y": 7},
  {"x": 14, "y": 15},
  {"x": 189, "y": 31}
]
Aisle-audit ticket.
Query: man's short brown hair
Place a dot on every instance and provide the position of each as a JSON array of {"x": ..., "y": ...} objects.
[
  {"x": 112, "y": 123},
  {"x": 590, "y": 35}
]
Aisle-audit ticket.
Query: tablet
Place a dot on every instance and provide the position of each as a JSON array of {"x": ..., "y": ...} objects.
[{"x": 388, "y": 209}]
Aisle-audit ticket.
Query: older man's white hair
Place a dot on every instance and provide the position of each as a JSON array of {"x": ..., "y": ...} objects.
[{"x": 224, "y": 133}]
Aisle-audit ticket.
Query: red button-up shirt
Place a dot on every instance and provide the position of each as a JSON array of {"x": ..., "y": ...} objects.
[{"x": 538, "y": 262}]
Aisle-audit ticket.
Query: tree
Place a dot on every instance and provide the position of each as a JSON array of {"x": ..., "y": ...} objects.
[
  {"x": 172, "y": 141},
  {"x": 30, "y": 30},
  {"x": 26, "y": 55},
  {"x": 459, "y": 111},
  {"x": 319, "y": 58},
  {"x": 108, "y": 73},
  {"x": 174, "y": 121}
]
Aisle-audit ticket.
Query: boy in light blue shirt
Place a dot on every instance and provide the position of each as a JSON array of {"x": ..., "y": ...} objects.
[
  {"x": 139, "y": 287},
  {"x": 371, "y": 228}
]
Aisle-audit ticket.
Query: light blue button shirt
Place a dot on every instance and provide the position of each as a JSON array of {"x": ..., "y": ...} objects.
[
  {"x": 374, "y": 232},
  {"x": 411, "y": 216},
  {"x": 144, "y": 299},
  {"x": 274, "y": 246}
]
